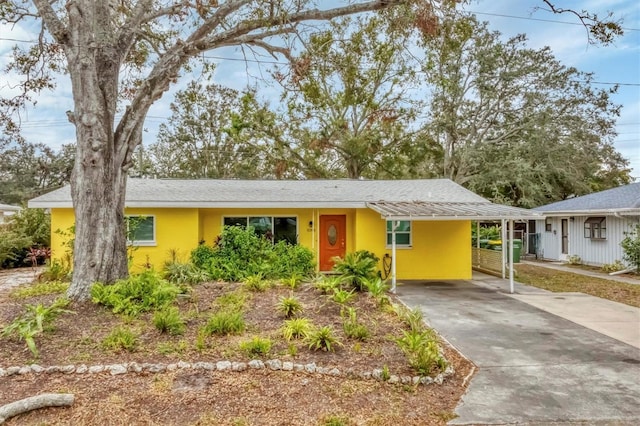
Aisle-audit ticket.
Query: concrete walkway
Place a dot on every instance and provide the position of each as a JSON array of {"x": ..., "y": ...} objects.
[
  {"x": 534, "y": 367},
  {"x": 559, "y": 266}
]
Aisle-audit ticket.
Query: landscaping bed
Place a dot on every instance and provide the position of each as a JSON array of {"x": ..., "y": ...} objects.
[{"x": 252, "y": 396}]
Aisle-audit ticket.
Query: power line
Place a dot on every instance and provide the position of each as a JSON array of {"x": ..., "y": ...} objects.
[{"x": 528, "y": 18}]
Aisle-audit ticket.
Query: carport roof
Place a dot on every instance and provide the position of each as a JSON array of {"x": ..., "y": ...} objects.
[{"x": 419, "y": 210}]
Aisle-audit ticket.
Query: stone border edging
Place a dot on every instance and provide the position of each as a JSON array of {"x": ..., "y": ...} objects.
[{"x": 272, "y": 364}]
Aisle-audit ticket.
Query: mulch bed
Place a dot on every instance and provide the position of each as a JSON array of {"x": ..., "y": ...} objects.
[{"x": 212, "y": 397}]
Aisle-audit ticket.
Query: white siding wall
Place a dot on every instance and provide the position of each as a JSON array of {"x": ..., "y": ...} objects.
[{"x": 592, "y": 252}]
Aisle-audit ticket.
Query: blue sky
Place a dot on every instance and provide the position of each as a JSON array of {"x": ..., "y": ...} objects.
[{"x": 618, "y": 63}]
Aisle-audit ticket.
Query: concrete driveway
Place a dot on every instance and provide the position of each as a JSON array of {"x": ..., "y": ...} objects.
[{"x": 533, "y": 367}]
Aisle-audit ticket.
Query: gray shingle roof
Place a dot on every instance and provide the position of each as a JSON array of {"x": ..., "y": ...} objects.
[
  {"x": 620, "y": 198},
  {"x": 429, "y": 198},
  {"x": 9, "y": 208},
  {"x": 221, "y": 193}
]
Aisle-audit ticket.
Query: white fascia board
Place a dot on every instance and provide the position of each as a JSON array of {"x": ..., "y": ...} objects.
[
  {"x": 452, "y": 218},
  {"x": 601, "y": 212},
  {"x": 49, "y": 204},
  {"x": 217, "y": 205}
]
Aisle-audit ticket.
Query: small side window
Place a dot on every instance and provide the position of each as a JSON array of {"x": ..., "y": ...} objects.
[
  {"x": 547, "y": 224},
  {"x": 595, "y": 228}
]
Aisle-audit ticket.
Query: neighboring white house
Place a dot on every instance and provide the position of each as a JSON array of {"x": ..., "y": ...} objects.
[
  {"x": 591, "y": 226},
  {"x": 7, "y": 210}
]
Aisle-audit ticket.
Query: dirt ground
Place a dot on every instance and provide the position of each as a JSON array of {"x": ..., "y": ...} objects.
[{"x": 251, "y": 397}]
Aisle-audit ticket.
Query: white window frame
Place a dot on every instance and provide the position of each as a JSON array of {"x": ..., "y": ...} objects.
[
  {"x": 398, "y": 245},
  {"x": 142, "y": 243},
  {"x": 272, "y": 216},
  {"x": 548, "y": 224}
]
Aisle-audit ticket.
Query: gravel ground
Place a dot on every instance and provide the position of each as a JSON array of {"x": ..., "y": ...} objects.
[{"x": 10, "y": 278}]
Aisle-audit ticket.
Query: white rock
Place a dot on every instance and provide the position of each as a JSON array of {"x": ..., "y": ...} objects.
[
  {"x": 81, "y": 369},
  {"x": 3, "y": 372},
  {"x": 439, "y": 379},
  {"x": 157, "y": 368},
  {"x": 393, "y": 379},
  {"x": 67, "y": 369},
  {"x": 223, "y": 365},
  {"x": 117, "y": 369},
  {"x": 134, "y": 367},
  {"x": 334, "y": 372},
  {"x": 183, "y": 365},
  {"x": 172, "y": 367},
  {"x": 426, "y": 380},
  {"x": 415, "y": 380},
  {"x": 238, "y": 366},
  {"x": 24, "y": 370},
  {"x": 36, "y": 368},
  {"x": 405, "y": 380},
  {"x": 52, "y": 369},
  {"x": 449, "y": 371},
  {"x": 274, "y": 364},
  {"x": 256, "y": 364},
  {"x": 377, "y": 374},
  {"x": 298, "y": 367},
  {"x": 96, "y": 369},
  {"x": 10, "y": 371},
  {"x": 287, "y": 366},
  {"x": 203, "y": 366},
  {"x": 310, "y": 368}
]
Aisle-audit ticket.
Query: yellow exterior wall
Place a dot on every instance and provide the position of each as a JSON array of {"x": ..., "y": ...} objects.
[
  {"x": 440, "y": 250},
  {"x": 176, "y": 229}
]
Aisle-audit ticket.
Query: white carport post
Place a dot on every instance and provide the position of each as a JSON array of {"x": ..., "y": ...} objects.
[
  {"x": 510, "y": 255},
  {"x": 503, "y": 238},
  {"x": 394, "y": 225}
]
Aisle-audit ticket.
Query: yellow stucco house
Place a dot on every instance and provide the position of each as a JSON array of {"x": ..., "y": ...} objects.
[{"x": 422, "y": 228}]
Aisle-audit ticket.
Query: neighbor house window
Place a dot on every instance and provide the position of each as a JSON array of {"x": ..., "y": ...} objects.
[
  {"x": 595, "y": 228},
  {"x": 279, "y": 228},
  {"x": 547, "y": 224},
  {"x": 141, "y": 230},
  {"x": 403, "y": 233}
]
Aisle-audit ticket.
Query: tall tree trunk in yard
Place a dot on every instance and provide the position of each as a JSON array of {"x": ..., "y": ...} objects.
[{"x": 99, "y": 180}]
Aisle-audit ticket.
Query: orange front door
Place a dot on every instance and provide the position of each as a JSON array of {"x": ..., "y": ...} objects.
[{"x": 333, "y": 239}]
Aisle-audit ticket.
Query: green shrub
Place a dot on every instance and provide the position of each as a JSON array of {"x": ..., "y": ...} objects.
[
  {"x": 39, "y": 289},
  {"x": 57, "y": 270},
  {"x": 293, "y": 282},
  {"x": 376, "y": 286},
  {"x": 201, "y": 256},
  {"x": 184, "y": 273},
  {"x": 334, "y": 420},
  {"x": 168, "y": 320},
  {"x": 138, "y": 293},
  {"x": 289, "y": 306},
  {"x": 631, "y": 247},
  {"x": 291, "y": 260},
  {"x": 352, "y": 328},
  {"x": 411, "y": 317},
  {"x": 327, "y": 284},
  {"x": 322, "y": 338},
  {"x": 34, "y": 321},
  {"x": 574, "y": 259},
  {"x": 356, "y": 267},
  {"x": 613, "y": 267},
  {"x": 256, "y": 347},
  {"x": 225, "y": 322},
  {"x": 121, "y": 338},
  {"x": 232, "y": 301},
  {"x": 422, "y": 351},
  {"x": 342, "y": 296},
  {"x": 296, "y": 328},
  {"x": 25, "y": 229},
  {"x": 256, "y": 283},
  {"x": 240, "y": 253}
]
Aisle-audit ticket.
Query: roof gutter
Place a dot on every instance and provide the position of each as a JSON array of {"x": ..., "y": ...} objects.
[{"x": 600, "y": 212}]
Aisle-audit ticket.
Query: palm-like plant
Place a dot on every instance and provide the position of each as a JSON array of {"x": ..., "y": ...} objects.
[{"x": 356, "y": 267}]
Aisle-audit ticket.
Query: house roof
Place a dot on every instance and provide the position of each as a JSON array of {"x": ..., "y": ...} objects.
[
  {"x": 9, "y": 208},
  {"x": 344, "y": 193},
  {"x": 418, "y": 210},
  {"x": 623, "y": 199}
]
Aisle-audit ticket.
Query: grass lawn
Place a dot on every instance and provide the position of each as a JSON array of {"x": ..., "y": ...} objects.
[{"x": 559, "y": 281}]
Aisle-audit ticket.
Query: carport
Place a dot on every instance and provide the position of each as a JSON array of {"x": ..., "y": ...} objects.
[{"x": 444, "y": 211}]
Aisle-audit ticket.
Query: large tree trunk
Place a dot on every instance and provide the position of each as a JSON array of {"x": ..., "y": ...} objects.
[{"x": 99, "y": 177}]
